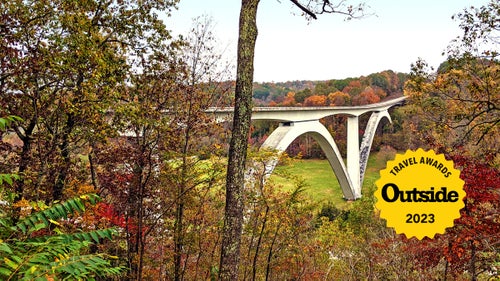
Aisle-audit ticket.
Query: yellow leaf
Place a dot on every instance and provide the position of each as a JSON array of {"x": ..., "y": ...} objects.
[{"x": 54, "y": 222}]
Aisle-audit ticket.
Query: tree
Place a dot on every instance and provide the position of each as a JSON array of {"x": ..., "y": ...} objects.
[
  {"x": 62, "y": 68},
  {"x": 289, "y": 99},
  {"x": 278, "y": 224},
  {"x": 379, "y": 80},
  {"x": 353, "y": 88},
  {"x": 28, "y": 249},
  {"x": 315, "y": 100},
  {"x": 71, "y": 68},
  {"x": 233, "y": 219},
  {"x": 130, "y": 168},
  {"x": 471, "y": 247},
  {"x": 203, "y": 81},
  {"x": 458, "y": 109},
  {"x": 339, "y": 98},
  {"x": 324, "y": 88},
  {"x": 158, "y": 171},
  {"x": 367, "y": 96},
  {"x": 462, "y": 100},
  {"x": 300, "y": 96}
]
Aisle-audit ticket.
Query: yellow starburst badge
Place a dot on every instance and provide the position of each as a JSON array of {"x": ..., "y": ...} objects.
[{"x": 420, "y": 193}]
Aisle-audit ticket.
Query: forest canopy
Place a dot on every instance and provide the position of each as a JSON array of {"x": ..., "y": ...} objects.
[{"x": 111, "y": 167}]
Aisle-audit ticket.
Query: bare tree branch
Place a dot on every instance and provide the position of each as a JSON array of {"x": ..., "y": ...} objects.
[
  {"x": 305, "y": 10},
  {"x": 313, "y": 8}
]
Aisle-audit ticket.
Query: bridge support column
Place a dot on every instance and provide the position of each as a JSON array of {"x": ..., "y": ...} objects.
[
  {"x": 353, "y": 154},
  {"x": 366, "y": 144},
  {"x": 285, "y": 134}
]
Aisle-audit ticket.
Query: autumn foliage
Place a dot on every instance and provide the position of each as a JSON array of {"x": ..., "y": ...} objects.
[
  {"x": 471, "y": 245},
  {"x": 97, "y": 97}
]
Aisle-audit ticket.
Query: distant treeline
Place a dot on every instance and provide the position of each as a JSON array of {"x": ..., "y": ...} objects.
[{"x": 349, "y": 91}]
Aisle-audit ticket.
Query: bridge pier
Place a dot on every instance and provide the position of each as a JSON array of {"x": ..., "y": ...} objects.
[
  {"x": 367, "y": 141},
  {"x": 353, "y": 154}
]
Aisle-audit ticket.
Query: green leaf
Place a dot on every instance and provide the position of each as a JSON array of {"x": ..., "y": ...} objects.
[
  {"x": 60, "y": 211},
  {"x": 8, "y": 178},
  {"x": 76, "y": 207},
  {"x": 4, "y": 247},
  {"x": 14, "y": 118},
  {"x": 41, "y": 217},
  {"x": 3, "y": 124},
  {"x": 38, "y": 226},
  {"x": 10, "y": 263},
  {"x": 16, "y": 259},
  {"x": 5, "y": 271},
  {"x": 40, "y": 259},
  {"x": 52, "y": 214},
  {"x": 28, "y": 222},
  {"x": 22, "y": 227},
  {"x": 34, "y": 221},
  {"x": 94, "y": 236},
  {"x": 86, "y": 236},
  {"x": 6, "y": 121},
  {"x": 80, "y": 205}
]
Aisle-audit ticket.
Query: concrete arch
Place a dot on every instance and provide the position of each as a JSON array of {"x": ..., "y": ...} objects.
[
  {"x": 284, "y": 135},
  {"x": 367, "y": 141}
]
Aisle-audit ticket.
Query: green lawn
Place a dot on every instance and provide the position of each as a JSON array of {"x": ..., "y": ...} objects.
[{"x": 322, "y": 184}]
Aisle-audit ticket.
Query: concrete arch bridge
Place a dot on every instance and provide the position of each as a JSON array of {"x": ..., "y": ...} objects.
[{"x": 298, "y": 121}]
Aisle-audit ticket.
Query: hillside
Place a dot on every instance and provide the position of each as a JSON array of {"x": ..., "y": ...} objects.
[{"x": 348, "y": 91}]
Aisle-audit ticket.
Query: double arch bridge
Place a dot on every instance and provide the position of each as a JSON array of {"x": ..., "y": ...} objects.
[{"x": 297, "y": 121}]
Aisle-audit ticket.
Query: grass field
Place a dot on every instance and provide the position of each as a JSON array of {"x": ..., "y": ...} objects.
[{"x": 322, "y": 184}]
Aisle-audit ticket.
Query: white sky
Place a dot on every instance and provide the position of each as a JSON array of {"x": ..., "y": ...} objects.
[{"x": 289, "y": 48}]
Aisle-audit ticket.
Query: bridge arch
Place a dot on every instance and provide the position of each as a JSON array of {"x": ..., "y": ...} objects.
[
  {"x": 297, "y": 121},
  {"x": 286, "y": 133}
]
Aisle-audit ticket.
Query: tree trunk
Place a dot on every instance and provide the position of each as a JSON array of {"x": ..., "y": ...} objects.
[
  {"x": 64, "y": 147},
  {"x": 472, "y": 268},
  {"x": 259, "y": 241},
  {"x": 26, "y": 138},
  {"x": 233, "y": 219},
  {"x": 271, "y": 253},
  {"x": 178, "y": 236}
]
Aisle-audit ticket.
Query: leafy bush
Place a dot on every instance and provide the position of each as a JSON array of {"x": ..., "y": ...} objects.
[{"x": 28, "y": 254}]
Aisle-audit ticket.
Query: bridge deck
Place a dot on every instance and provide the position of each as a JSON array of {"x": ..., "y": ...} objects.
[{"x": 297, "y": 114}]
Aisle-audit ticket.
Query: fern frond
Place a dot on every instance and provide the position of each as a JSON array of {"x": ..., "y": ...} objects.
[
  {"x": 90, "y": 236},
  {"x": 55, "y": 212},
  {"x": 81, "y": 267},
  {"x": 53, "y": 256},
  {"x": 58, "y": 255}
]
